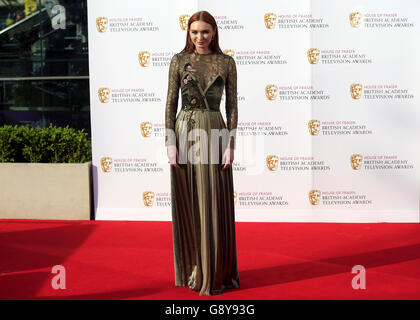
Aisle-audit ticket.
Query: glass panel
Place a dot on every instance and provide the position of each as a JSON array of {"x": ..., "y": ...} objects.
[
  {"x": 40, "y": 39},
  {"x": 61, "y": 102}
]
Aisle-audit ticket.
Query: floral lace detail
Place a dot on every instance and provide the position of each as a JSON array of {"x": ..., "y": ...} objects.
[
  {"x": 205, "y": 69},
  {"x": 190, "y": 121},
  {"x": 189, "y": 68},
  {"x": 194, "y": 100},
  {"x": 186, "y": 81}
]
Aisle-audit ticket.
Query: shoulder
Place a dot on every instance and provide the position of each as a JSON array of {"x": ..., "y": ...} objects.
[
  {"x": 175, "y": 60},
  {"x": 229, "y": 59},
  {"x": 180, "y": 57},
  {"x": 181, "y": 54},
  {"x": 230, "y": 63}
]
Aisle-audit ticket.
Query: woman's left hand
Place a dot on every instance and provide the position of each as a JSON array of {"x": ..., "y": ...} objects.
[{"x": 228, "y": 158}]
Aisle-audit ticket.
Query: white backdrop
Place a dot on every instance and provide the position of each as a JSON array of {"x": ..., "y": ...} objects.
[{"x": 328, "y": 97}]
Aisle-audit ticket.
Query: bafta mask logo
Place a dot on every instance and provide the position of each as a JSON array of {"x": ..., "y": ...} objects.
[
  {"x": 102, "y": 24},
  {"x": 148, "y": 198},
  {"x": 356, "y": 161},
  {"x": 270, "y": 20},
  {"x": 183, "y": 21},
  {"x": 103, "y": 94},
  {"x": 314, "y": 126},
  {"x": 272, "y": 162},
  {"x": 146, "y": 129},
  {"x": 235, "y": 197},
  {"x": 313, "y": 55},
  {"x": 144, "y": 58},
  {"x": 314, "y": 197},
  {"x": 271, "y": 91},
  {"x": 106, "y": 164},
  {"x": 355, "y": 19},
  {"x": 356, "y": 91},
  {"x": 229, "y": 52}
]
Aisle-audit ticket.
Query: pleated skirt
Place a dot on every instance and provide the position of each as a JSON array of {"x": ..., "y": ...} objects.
[{"x": 203, "y": 211}]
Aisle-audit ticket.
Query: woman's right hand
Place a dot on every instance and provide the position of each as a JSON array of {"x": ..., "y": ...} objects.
[{"x": 173, "y": 156}]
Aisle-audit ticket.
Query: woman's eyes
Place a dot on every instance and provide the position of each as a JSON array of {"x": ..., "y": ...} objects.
[{"x": 196, "y": 32}]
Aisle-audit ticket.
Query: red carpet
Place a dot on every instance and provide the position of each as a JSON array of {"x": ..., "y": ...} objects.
[{"x": 133, "y": 260}]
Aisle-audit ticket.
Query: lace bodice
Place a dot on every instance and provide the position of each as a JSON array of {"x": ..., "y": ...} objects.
[{"x": 206, "y": 68}]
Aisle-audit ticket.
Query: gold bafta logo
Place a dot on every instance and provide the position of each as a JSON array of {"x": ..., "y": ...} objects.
[
  {"x": 356, "y": 91},
  {"x": 144, "y": 58},
  {"x": 272, "y": 162},
  {"x": 356, "y": 161},
  {"x": 102, "y": 24},
  {"x": 314, "y": 126},
  {"x": 271, "y": 91},
  {"x": 146, "y": 129},
  {"x": 314, "y": 197},
  {"x": 103, "y": 94},
  {"x": 148, "y": 198},
  {"x": 235, "y": 197},
  {"x": 270, "y": 20},
  {"x": 106, "y": 164},
  {"x": 313, "y": 55},
  {"x": 355, "y": 19},
  {"x": 183, "y": 21},
  {"x": 229, "y": 52}
]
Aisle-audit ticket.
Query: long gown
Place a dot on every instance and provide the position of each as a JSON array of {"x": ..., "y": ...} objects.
[{"x": 203, "y": 212}]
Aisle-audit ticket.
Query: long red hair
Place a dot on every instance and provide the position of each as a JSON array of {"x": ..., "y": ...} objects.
[{"x": 208, "y": 18}]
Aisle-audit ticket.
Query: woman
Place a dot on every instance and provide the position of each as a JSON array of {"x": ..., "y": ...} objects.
[{"x": 201, "y": 150}]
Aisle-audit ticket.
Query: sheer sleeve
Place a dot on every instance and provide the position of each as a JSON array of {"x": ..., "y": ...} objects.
[
  {"x": 172, "y": 101},
  {"x": 232, "y": 102}
]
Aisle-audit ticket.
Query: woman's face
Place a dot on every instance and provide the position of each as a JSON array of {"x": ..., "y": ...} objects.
[{"x": 201, "y": 33}]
